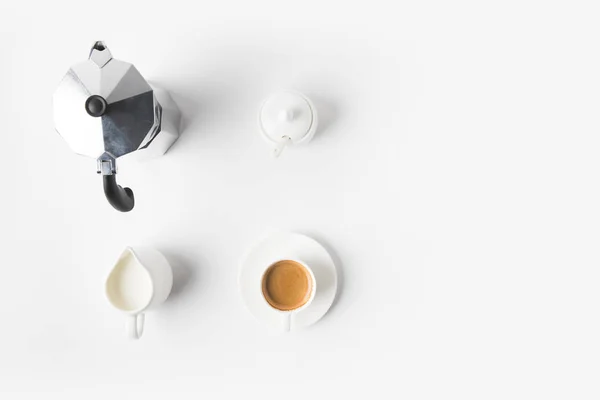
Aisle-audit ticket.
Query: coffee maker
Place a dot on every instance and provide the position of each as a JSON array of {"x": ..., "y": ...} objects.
[{"x": 105, "y": 109}]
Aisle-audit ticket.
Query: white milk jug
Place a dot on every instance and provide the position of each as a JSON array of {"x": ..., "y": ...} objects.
[{"x": 140, "y": 281}]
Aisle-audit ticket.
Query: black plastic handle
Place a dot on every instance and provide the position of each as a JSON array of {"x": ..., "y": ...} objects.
[{"x": 118, "y": 197}]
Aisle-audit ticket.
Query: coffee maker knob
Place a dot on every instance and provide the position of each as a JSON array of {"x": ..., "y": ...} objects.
[{"x": 95, "y": 106}]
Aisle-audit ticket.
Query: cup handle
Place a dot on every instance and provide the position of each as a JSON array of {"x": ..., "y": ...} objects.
[
  {"x": 135, "y": 326},
  {"x": 287, "y": 322}
]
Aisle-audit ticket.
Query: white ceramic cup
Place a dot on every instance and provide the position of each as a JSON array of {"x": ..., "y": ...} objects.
[
  {"x": 140, "y": 281},
  {"x": 288, "y": 314}
]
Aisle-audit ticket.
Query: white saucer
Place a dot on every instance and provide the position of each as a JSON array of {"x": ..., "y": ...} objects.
[{"x": 287, "y": 245}]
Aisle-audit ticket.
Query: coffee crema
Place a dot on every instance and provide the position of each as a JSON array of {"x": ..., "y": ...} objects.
[{"x": 287, "y": 285}]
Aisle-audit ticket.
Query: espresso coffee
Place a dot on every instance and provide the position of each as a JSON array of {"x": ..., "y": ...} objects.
[{"x": 287, "y": 285}]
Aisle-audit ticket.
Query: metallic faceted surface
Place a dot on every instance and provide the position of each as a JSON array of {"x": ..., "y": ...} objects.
[
  {"x": 128, "y": 122},
  {"x": 132, "y": 117}
]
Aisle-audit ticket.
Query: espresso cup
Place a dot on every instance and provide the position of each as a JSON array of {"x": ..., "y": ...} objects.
[
  {"x": 140, "y": 281},
  {"x": 288, "y": 287}
]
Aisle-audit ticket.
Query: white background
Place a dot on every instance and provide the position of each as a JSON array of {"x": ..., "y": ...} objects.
[{"x": 454, "y": 179}]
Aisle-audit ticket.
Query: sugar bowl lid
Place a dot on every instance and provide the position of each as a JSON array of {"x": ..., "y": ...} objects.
[{"x": 287, "y": 118}]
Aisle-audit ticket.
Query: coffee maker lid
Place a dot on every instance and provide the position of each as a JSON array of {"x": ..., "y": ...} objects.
[{"x": 104, "y": 105}]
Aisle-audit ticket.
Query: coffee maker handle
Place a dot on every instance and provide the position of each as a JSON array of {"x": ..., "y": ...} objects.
[{"x": 120, "y": 198}]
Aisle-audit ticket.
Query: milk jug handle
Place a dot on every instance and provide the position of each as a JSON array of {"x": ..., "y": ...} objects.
[{"x": 135, "y": 326}]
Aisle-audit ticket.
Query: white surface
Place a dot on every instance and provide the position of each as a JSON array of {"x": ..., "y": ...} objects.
[
  {"x": 454, "y": 177},
  {"x": 287, "y": 246}
]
